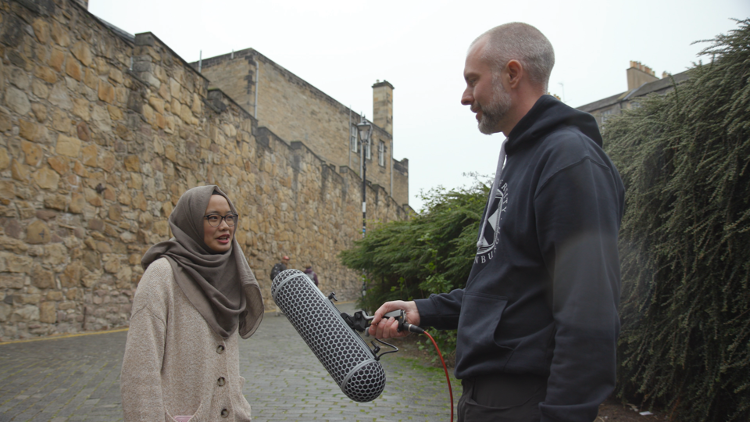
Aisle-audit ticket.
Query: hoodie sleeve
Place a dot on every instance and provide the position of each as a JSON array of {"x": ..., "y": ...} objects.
[
  {"x": 440, "y": 311},
  {"x": 578, "y": 212}
]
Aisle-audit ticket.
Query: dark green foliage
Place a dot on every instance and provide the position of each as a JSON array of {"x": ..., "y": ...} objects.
[
  {"x": 685, "y": 240},
  {"x": 431, "y": 253}
]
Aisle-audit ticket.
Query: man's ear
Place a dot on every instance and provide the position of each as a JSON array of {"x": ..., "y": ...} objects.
[{"x": 515, "y": 71}]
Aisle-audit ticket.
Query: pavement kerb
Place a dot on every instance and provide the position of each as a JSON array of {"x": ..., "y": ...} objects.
[{"x": 116, "y": 330}]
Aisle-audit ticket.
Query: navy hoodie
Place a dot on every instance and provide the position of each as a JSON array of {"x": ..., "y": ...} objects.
[{"x": 543, "y": 294}]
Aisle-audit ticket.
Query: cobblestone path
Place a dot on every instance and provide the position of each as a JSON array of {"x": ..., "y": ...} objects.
[{"x": 77, "y": 379}]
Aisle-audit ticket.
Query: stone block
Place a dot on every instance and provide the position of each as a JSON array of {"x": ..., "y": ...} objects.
[
  {"x": 27, "y": 313},
  {"x": 19, "y": 78},
  {"x": 40, "y": 112},
  {"x": 60, "y": 34},
  {"x": 56, "y": 202},
  {"x": 115, "y": 75},
  {"x": 18, "y": 263},
  {"x": 60, "y": 97},
  {"x": 89, "y": 155},
  {"x": 107, "y": 161},
  {"x": 132, "y": 163},
  {"x": 56, "y": 59},
  {"x": 55, "y": 254},
  {"x": 4, "y": 159},
  {"x": 38, "y": 233},
  {"x": 106, "y": 92},
  {"x": 77, "y": 203},
  {"x": 28, "y": 129},
  {"x": 60, "y": 121},
  {"x": 171, "y": 153},
  {"x": 41, "y": 30},
  {"x": 47, "y": 312},
  {"x": 12, "y": 281},
  {"x": 124, "y": 278},
  {"x": 157, "y": 103},
  {"x": 45, "y": 215},
  {"x": 81, "y": 108},
  {"x": 90, "y": 79},
  {"x": 19, "y": 171},
  {"x": 41, "y": 278},
  {"x": 5, "y": 311},
  {"x": 115, "y": 113},
  {"x": 46, "y": 74},
  {"x": 68, "y": 146},
  {"x": 33, "y": 153},
  {"x": 73, "y": 69},
  {"x": 55, "y": 296},
  {"x": 46, "y": 178},
  {"x": 13, "y": 245},
  {"x": 111, "y": 263},
  {"x": 17, "y": 100},
  {"x": 70, "y": 295},
  {"x": 71, "y": 276},
  {"x": 5, "y": 123},
  {"x": 39, "y": 89},
  {"x": 60, "y": 164},
  {"x": 82, "y": 52},
  {"x": 186, "y": 115},
  {"x": 101, "y": 119}
]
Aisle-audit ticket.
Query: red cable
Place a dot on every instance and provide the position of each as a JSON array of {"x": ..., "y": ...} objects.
[{"x": 450, "y": 389}]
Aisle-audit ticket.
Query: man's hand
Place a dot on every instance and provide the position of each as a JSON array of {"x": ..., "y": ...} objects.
[{"x": 386, "y": 328}]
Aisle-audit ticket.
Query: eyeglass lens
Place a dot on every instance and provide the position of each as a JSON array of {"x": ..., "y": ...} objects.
[{"x": 214, "y": 220}]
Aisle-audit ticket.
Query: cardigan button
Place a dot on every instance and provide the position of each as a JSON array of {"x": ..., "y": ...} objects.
[
  {"x": 224, "y": 413},
  {"x": 221, "y": 381},
  {"x": 220, "y": 349}
]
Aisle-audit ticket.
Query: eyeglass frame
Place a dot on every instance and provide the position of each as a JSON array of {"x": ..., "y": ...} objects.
[{"x": 222, "y": 218}]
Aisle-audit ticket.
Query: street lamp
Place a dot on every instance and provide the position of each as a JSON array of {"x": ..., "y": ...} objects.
[{"x": 365, "y": 130}]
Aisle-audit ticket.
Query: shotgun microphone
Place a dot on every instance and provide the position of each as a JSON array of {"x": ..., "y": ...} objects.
[{"x": 343, "y": 353}]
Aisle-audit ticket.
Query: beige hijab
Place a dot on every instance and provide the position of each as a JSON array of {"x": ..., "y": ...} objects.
[{"x": 221, "y": 286}]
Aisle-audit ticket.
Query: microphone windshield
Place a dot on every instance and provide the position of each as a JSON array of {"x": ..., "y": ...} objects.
[{"x": 342, "y": 352}]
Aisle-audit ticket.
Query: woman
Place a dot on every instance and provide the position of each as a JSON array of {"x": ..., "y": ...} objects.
[{"x": 196, "y": 297}]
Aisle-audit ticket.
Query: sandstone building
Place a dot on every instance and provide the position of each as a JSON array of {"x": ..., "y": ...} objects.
[
  {"x": 641, "y": 82},
  {"x": 100, "y": 134}
]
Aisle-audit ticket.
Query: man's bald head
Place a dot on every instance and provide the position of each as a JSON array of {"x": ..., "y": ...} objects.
[{"x": 521, "y": 42}]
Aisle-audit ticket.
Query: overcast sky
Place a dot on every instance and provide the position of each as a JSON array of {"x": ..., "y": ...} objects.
[{"x": 342, "y": 47}]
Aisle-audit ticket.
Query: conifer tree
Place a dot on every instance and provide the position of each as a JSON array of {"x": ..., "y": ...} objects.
[{"x": 685, "y": 240}]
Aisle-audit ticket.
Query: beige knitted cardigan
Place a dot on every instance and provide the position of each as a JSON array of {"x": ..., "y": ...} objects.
[{"x": 174, "y": 364}]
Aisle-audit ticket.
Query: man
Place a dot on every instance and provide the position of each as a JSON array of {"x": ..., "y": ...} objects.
[
  {"x": 279, "y": 267},
  {"x": 537, "y": 321},
  {"x": 312, "y": 275}
]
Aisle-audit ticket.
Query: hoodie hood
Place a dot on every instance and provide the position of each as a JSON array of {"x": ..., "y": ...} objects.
[{"x": 549, "y": 114}]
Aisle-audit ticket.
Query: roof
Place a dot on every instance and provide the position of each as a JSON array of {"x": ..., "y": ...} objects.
[{"x": 660, "y": 85}]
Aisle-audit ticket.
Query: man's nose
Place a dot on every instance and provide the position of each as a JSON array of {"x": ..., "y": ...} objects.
[{"x": 467, "y": 98}]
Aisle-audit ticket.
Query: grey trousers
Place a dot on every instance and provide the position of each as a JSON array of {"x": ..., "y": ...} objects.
[{"x": 502, "y": 398}]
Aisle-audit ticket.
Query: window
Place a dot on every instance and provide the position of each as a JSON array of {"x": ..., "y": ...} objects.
[
  {"x": 368, "y": 150},
  {"x": 381, "y": 153},
  {"x": 606, "y": 114},
  {"x": 353, "y": 138}
]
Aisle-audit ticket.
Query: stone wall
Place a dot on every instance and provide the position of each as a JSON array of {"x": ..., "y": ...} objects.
[
  {"x": 298, "y": 111},
  {"x": 100, "y": 136}
]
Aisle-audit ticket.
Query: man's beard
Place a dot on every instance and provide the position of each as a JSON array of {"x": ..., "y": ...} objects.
[{"x": 495, "y": 111}]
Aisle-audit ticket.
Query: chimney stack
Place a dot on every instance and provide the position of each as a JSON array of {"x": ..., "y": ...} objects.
[
  {"x": 382, "y": 105},
  {"x": 639, "y": 74}
]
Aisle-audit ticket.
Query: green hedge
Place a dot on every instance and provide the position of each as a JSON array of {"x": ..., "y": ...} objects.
[
  {"x": 431, "y": 253},
  {"x": 685, "y": 240}
]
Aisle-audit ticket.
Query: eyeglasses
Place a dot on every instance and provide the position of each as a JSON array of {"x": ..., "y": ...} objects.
[{"x": 214, "y": 220}]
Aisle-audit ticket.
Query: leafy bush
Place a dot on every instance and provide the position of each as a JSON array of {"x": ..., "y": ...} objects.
[
  {"x": 685, "y": 240},
  {"x": 431, "y": 253}
]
